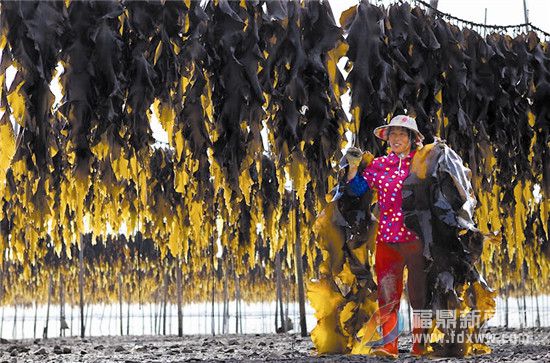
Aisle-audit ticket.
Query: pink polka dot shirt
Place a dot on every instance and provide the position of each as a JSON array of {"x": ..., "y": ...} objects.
[{"x": 386, "y": 174}]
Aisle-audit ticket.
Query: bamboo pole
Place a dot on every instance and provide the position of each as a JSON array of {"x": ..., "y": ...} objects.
[
  {"x": 81, "y": 284},
  {"x": 300, "y": 271}
]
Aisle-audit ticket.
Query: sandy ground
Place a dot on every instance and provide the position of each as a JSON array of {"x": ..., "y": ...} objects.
[{"x": 534, "y": 346}]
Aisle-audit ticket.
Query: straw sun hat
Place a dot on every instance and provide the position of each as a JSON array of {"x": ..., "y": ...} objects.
[{"x": 400, "y": 120}]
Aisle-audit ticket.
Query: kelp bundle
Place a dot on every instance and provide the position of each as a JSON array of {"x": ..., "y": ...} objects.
[
  {"x": 438, "y": 204},
  {"x": 344, "y": 297}
]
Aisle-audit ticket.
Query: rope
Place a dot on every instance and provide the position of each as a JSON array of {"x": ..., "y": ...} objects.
[{"x": 479, "y": 25}]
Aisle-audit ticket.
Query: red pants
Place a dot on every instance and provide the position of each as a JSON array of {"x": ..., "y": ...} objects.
[{"x": 391, "y": 258}]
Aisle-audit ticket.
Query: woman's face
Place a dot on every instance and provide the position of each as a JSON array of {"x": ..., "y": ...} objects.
[{"x": 399, "y": 140}]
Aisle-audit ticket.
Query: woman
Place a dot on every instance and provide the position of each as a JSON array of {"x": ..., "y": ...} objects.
[{"x": 396, "y": 245}]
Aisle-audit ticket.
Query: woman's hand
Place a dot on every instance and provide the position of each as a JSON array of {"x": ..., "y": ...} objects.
[{"x": 354, "y": 156}]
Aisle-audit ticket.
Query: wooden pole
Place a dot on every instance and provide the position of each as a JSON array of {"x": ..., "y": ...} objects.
[
  {"x": 120, "y": 302},
  {"x": 276, "y": 305},
  {"x": 524, "y": 309},
  {"x": 165, "y": 301},
  {"x": 526, "y": 15},
  {"x": 212, "y": 320},
  {"x": 155, "y": 310},
  {"x": 101, "y": 319},
  {"x": 90, "y": 315},
  {"x": 506, "y": 309},
  {"x": 236, "y": 301},
  {"x": 225, "y": 329},
  {"x": 278, "y": 272},
  {"x": 537, "y": 321},
  {"x": 433, "y": 4},
  {"x": 110, "y": 319},
  {"x": 50, "y": 291},
  {"x": 142, "y": 308},
  {"x": 152, "y": 322},
  {"x": 287, "y": 303},
  {"x": 128, "y": 311},
  {"x": 23, "y": 322},
  {"x": 61, "y": 306},
  {"x": 519, "y": 312},
  {"x": 72, "y": 310},
  {"x": 300, "y": 272},
  {"x": 485, "y": 22},
  {"x": 35, "y": 317},
  {"x": 81, "y": 284},
  {"x": 170, "y": 318},
  {"x": 179, "y": 297},
  {"x": 410, "y": 311},
  {"x": 14, "y": 330}
]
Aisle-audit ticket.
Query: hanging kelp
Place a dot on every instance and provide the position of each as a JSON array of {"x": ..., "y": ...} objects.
[
  {"x": 282, "y": 76},
  {"x": 237, "y": 97},
  {"x": 323, "y": 129},
  {"x": 370, "y": 78},
  {"x": 193, "y": 121},
  {"x": 139, "y": 27},
  {"x": 32, "y": 33},
  {"x": 414, "y": 49}
]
